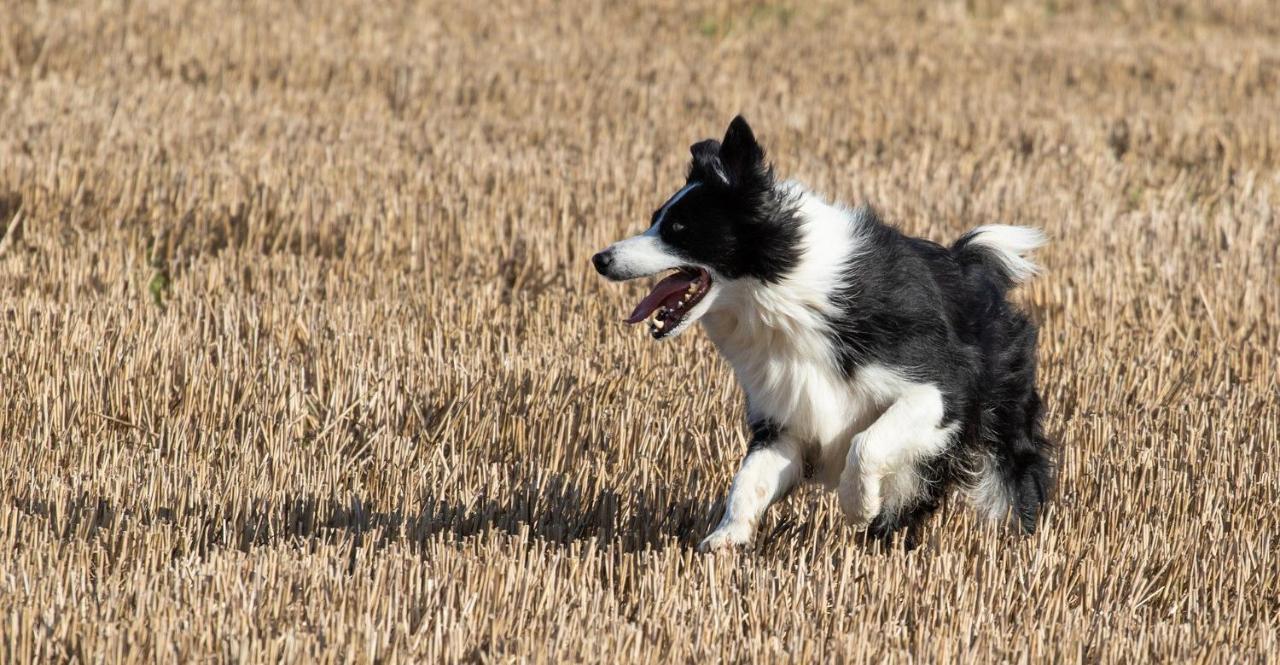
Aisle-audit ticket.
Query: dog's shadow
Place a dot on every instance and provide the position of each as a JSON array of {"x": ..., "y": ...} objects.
[
  {"x": 552, "y": 510},
  {"x": 558, "y": 511}
]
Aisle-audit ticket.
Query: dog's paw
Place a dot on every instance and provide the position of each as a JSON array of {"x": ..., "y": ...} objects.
[
  {"x": 859, "y": 506},
  {"x": 724, "y": 538}
]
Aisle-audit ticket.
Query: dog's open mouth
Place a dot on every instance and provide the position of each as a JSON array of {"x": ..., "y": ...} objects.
[{"x": 672, "y": 299}]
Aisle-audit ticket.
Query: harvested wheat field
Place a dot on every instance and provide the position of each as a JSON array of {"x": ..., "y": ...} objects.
[{"x": 302, "y": 358}]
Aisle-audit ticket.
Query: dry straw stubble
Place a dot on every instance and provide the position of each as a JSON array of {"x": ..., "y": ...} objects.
[{"x": 301, "y": 357}]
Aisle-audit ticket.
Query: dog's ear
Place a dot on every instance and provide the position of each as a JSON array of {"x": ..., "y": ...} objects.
[
  {"x": 706, "y": 162},
  {"x": 741, "y": 155}
]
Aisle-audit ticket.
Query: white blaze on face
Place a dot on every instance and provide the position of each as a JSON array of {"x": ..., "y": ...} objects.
[
  {"x": 675, "y": 198},
  {"x": 646, "y": 254}
]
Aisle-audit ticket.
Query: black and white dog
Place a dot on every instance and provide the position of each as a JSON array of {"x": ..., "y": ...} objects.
[{"x": 886, "y": 367}]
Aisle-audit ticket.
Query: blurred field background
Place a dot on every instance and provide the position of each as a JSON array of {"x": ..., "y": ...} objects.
[{"x": 302, "y": 359}]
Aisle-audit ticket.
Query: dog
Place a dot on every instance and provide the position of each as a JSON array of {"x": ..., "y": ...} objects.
[{"x": 888, "y": 368}]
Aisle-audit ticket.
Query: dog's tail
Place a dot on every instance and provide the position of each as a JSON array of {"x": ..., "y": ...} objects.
[{"x": 1001, "y": 249}]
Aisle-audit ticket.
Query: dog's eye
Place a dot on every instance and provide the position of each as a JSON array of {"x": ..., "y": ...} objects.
[{"x": 677, "y": 227}]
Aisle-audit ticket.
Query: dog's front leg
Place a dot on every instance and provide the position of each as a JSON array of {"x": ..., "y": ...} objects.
[
  {"x": 908, "y": 431},
  {"x": 771, "y": 468}
]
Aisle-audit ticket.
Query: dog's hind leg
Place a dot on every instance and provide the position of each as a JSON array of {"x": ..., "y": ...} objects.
[
  {"x": 770, "y": 470},
  {"x": 1014, "y": 477}
]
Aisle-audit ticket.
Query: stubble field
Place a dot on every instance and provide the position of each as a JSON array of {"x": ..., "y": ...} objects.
[{"x": 302, "y": 359}]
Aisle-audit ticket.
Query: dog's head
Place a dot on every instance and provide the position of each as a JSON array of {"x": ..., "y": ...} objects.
[{"x": 726, "y": 223}]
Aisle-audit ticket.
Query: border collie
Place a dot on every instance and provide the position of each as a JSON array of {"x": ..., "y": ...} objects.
[{"x": 886, "y": 367}]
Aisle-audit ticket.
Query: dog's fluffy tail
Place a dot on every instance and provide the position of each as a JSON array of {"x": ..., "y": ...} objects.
[{"x": 1002, "y": 249}]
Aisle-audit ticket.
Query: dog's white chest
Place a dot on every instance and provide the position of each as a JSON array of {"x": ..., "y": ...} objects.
[{"x": 790, "y": 378}]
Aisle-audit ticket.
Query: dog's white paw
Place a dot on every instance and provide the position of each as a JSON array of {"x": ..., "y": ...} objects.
[
  {"x": 724, "y": 538},
  {"x": 859, "y": 506}
]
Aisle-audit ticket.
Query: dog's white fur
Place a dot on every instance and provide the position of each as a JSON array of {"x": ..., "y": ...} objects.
[
  {"x": 865, "y": 429},
  {"x": 985, "y": 491},
  {"x": 1011, "y": 245},
  {"x": 860, "y": 437}
]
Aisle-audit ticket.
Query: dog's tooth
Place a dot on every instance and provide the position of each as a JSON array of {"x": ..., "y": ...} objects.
[{"x": 658, "y": 324}]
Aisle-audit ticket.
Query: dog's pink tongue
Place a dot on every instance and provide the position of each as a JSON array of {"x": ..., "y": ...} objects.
[{"x": 661, "y": 291}]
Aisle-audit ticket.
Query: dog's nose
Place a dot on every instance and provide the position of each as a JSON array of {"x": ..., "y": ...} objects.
[{"x": 602, "y": 261}]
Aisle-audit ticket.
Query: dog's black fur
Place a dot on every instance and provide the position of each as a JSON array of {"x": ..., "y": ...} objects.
[
  {"x": 937, "y": 314},
  {"x": 943, "y": 312}
]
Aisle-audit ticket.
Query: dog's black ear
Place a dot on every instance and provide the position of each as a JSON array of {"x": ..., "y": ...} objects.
[
  {"x": 741, "y": 155},
  {"x": 706, "y": 162}
]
